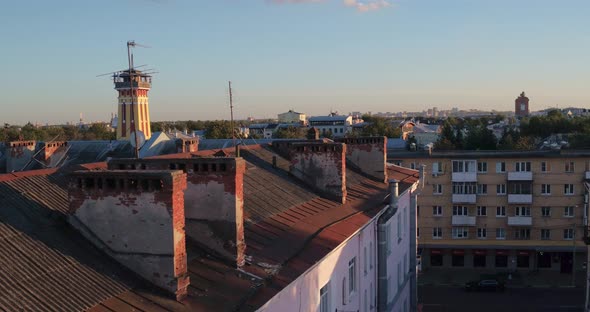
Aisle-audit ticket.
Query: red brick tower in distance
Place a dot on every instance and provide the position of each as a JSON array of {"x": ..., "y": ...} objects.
[
  {"x": 134, "y": 114},
  {"x": 521, "y": 106}
]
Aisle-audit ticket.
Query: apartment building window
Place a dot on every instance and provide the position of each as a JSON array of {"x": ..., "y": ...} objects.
[
  {"x": 523, "y": 166},
  {"x": 399, "y": 228},
  {"x": 464, "y": 187},
  {"x": 522, "y": 211},
  {"x": 437, "y": 168},
  {"x": 482, "y": 189},
  {"x": 501, "y": 189},
  {"x": 365, "y": 262},
  {"x": 437, "y": 211},
  {"x": 344, "y": 291},
  {"x": 482, "y": 167},
  {"x": 412, "y": 165},
  {"x": 482, "y": 211},
  {"x": 568, "y": 234},
  {"x": 568, "y": 189},
  {"x": 388, "y": 240},
  {"x": 569, "y": 166},
  {"x": 545, "y": 189},
  {"x": 418, "y": 232},
  {"x": 568, "y": 211},
  {"x": 500, "y": 167},
  {"x": 437, "y": 189},
  {"x": 522, "y": 234},
  {"x": 545, "y": 234},
  {"x": 501, "y": 211},
  {"x": 372, "y": 296},
  {"x": 546, "y": 211},
  {"x": 351, "y": 276},
  {"x": 460, "y": 232},
  {"x": 500, "y": 233},
  {"x": 437, "y": 233},
  {"x": 325, "y": 298},
  {"x": 460, "y": 211},
  {"x": 545, "y": 167},
  {"x": 520, "y": 188},
  {"x": 463, "y": 165},
  {"x": 371, "y": 251},
  {"x": 481, "y": 233}
]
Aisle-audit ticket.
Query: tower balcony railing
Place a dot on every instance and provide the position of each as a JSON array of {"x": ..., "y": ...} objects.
[
  {"x": 127, "y": 85},
  {"x": 520, "y": 198}
]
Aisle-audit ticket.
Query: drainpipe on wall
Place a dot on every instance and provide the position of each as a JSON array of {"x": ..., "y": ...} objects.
[{"x": 382, "y": 246}]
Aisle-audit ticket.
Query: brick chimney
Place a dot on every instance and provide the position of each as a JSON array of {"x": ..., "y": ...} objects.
[
  {"x": 53, "y": 152},
  {"x": 322, "y": 166},
  {"x": 187, "y": 145},
  {"x": 137, "y": 218},
  {"x": 367, "y": 154},
  {"x": 19, "y": 154},
  {"x": 214, "y": 200}
]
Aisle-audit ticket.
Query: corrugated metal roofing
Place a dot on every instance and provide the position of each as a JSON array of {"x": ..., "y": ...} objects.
[{"x": 50, "y": 267}]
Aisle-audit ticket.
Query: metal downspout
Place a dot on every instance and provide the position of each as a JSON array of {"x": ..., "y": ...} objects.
[{"x": 382, "y": 246}]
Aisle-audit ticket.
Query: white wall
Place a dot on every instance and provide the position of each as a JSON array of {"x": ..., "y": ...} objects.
[{"x": 303, "y": 294}]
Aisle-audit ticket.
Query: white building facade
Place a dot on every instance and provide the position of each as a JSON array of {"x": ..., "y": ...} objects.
[{"x": 348, "y": 278}]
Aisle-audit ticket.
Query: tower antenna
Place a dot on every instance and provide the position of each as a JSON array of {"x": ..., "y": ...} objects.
[
  {"x": 231, "y": 123},
  {"x": 132, "y": 44}
]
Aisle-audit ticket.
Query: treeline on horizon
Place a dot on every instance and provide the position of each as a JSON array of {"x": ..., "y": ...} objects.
[{"x": 456, "y": 134}]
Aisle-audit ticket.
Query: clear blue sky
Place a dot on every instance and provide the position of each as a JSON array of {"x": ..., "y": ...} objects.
[{"x": 312, "y": 56}]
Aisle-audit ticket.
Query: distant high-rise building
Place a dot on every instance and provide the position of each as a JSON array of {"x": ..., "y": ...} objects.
[
  {"x": 133, "y": 87},
  {"x": 521, "y": 106}
]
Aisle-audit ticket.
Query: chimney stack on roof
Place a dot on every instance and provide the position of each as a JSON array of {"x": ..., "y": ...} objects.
[
  {"x": 19, "y": 154},
  {"x": 213, "y": 200},
  {"x": 322, "y": 166},
  {"x": 136, "y": 217},
  {"x": 367, "y": 154}
]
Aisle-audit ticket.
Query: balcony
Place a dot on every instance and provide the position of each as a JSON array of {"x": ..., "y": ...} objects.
[
  {"x": 464, "y": 198},
  {"x": 520, "y": 220},
  {"x": 520, "y": 198},
  {"x": 587, "y": 175},
  {"x": 463, "y": 220},
  {"x": 464, "y": 177},
  {"x": 520, "y": 176}
]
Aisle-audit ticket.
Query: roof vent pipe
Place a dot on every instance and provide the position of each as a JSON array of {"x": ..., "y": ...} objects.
[{"x": 393, "y": 192}]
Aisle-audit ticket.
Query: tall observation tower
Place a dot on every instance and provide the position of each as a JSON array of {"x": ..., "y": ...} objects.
[{"x": 134, "y": 115}]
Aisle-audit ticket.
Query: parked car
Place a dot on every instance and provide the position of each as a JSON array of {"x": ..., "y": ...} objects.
[{"x": 485, "y": 285}]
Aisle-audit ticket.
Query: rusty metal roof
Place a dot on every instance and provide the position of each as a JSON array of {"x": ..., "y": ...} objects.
[{"x": 48, "y": 266}]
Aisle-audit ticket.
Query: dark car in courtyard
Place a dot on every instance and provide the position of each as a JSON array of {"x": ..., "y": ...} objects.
[{"x": 485, "y": 285}]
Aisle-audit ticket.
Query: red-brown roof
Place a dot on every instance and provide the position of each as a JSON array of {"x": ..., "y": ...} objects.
[{"x": 288, "y": 228}]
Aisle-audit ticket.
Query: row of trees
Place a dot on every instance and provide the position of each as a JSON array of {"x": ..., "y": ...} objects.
[
  {"x": 60, "y": 133},
  {"x": 472, "y": 134}
]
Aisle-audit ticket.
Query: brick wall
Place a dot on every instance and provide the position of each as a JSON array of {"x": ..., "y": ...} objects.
[{"x": 368, "y": 154}]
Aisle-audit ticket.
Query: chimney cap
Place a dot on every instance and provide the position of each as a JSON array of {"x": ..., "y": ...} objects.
[{"x": 393, "y": 181}]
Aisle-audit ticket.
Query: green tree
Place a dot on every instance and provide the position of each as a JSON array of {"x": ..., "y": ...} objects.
[{"x": 290, "y": 133}]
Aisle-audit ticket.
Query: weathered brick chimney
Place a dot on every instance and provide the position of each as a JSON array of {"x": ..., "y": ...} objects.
[
  {"x": 53, "y": 152},
  {"x": 322, "y": 166},
  {"x": 19, "y": 154},
  {"x": 214, "y": 200},
  {"x": 367, "y": 154},
  {"x": 187, "y": 145},
  {"x": 137, "y": 217}
]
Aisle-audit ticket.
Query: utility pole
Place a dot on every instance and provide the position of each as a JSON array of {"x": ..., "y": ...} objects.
[{"x": 231, "y": 123}]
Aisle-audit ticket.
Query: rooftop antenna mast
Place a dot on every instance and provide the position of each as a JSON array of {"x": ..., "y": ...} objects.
[
  {"x": 231, "y": 123},
  {"x": 132, "y": 44}
]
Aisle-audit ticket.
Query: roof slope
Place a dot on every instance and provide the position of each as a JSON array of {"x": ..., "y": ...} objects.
[{"x": 288, "y": 228}]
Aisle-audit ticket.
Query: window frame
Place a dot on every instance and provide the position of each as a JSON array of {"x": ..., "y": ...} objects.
[
  {"x": 480, "y": 209},
  {"x": 437, "y": 232},
  {"x": 501, "y": 231},
  {"x": 546, "y": 211},
  {"x": 501, "y": 209},
  {"x": 482, "y": 167},
  {"x": 438, "y": 210},
  {"x": 569, "y": 211},
  {"x": 545, "y": 234},
  {"x": 325, "y": 305},
  {"x": 545, "y": 189},
  {"x": 566, "y": 234},
  {"x": 352, "y": 284},
  {"x": 568, "y": 189},
  {"x": 501, "y": 189},
  {"x": 482, "y": 233}
]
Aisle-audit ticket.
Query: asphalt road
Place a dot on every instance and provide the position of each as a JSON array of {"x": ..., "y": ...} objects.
[{"x": 453, "y": 299}]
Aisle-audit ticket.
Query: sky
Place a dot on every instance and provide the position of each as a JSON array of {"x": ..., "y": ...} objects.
[{"x": 312, "y": 56}]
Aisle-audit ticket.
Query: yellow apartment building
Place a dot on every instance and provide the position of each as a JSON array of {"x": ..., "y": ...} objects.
[{"x": 502, "y": 210}]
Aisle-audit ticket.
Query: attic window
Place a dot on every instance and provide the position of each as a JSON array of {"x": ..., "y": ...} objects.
[
  {"x": 213, "y": 167},
  {"x": 196, "y": 167},
  {"x": 222, "y": 167},
  {"x": 204, "y": 167}
]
